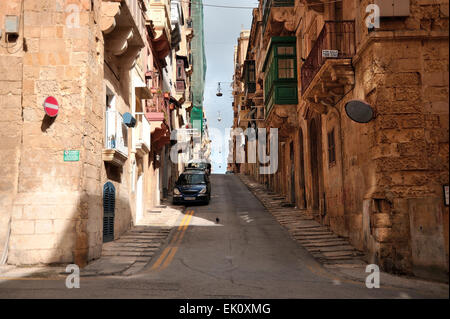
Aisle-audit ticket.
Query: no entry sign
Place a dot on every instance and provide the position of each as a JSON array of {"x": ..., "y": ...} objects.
[{"x": 51, "y": 106}]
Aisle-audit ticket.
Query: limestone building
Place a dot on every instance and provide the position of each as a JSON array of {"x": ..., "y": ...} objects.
[
  {"x": 79, "y": 179},
  {"x": 380, "y": 183}
]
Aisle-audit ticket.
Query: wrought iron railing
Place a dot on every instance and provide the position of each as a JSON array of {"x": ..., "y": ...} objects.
[{"x": 335, "y": 35}]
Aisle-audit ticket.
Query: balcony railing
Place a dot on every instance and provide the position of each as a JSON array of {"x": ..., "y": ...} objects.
[
  {"x": 142, "y": 131},
  {"x": 335, "y": 35},
  {"x": 116, "y": 132}
]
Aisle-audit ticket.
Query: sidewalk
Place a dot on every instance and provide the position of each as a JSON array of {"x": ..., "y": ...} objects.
[
  {"x": 334, "y": 253},
  {"x": 10, "y": 272},
  {"x": 125, "y": 256},
  {"x": 134, "y": 250}
]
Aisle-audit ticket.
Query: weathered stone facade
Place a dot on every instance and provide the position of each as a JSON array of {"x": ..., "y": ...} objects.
[
  {"x": 381, "y": 183},
  {"x": 52, "y": 199},
  {"x": 95, "y": 58}
]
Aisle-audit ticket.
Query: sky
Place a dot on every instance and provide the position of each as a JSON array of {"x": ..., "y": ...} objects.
[{"x": 222, "y": 29}]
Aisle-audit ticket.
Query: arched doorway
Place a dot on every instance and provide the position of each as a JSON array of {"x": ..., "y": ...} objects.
[
  {"x": 109, "y": 202},
  {"x": 302, "y": 203},
  {"x": 314, "y": 143}
]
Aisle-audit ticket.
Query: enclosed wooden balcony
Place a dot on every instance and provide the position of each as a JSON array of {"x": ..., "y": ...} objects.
[
  {"x": 278, "y": 18},
  {"x": 249, "y": 77},
  {"x": 280, "y": 83},
  {"x": 327, "y": 73}
]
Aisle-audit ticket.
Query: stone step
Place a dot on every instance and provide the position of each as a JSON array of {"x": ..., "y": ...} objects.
[
  {"x": 341, "y": 261},
  {"x": 128, "y": 254},
  {"x": 345, "y": 264},
  {"x": 333, "y": 254},
  {"x": 137, "y": 241},
  {"x": 132, "y": 246},
  {"x": 325, "y": 244},
  {"x": 131, "y": 250},
  {"x": 304, "y": 226},
  {"x": 311, "y": 233},
  {"x": 311, "y": 237},
  {"x": 148, "y": 233},
  {"x": 330, "y": 248},
  {"x": 143, "y": 237}
]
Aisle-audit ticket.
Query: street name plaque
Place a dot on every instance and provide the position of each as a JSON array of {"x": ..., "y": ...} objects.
[{"x": 71, "y": 156}]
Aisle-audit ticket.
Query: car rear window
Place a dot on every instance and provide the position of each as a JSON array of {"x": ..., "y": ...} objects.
[
  {"x": 191, "y": 179},
  {"x": 197, "y": 165}
]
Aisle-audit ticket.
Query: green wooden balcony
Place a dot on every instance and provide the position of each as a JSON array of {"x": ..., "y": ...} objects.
[{"x": 280, "y": 69}]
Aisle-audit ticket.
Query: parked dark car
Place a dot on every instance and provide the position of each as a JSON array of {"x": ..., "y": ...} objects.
[
  {"x": 200, "y": 165},
  {"x": 193, "y": 186}
]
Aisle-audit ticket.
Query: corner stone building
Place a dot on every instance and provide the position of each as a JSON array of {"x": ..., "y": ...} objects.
[
  {"x": 52, "y": 209},
  {"x": 381, "y": 183}
]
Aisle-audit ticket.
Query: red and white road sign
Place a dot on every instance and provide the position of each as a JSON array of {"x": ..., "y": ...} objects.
[{"x": 51, "y": 106}]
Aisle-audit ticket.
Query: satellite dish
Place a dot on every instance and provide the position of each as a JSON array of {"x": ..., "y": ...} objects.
[{"x": 359, "y": 111}]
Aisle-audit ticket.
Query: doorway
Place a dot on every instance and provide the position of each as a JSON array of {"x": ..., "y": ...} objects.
[
  {"x": 292, "y": 161},
  {"x": 302, "y": 203},
  {"x": 139, "y": 198},
  {"x": 314, "y": 143}
]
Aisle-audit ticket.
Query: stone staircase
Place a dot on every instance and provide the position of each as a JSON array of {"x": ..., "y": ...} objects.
[
  {"x": 326, "y": 247},
  {"x": 130, "y": 253}
]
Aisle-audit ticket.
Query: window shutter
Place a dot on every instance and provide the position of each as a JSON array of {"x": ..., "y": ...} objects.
[{"x": 109, "y": 201}]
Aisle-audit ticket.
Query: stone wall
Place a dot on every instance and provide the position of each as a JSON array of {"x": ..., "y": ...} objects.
[
  {"x": 385, "y": 190},
  {"x": 402, "y": 70},
  {"x": 10, "y": 122},
  {"x": 56, "y": 206},
  {"x": 49, "y": 221}
]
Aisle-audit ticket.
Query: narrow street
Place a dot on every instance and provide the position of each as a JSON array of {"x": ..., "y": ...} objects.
[{"x": 232, "y": 248}]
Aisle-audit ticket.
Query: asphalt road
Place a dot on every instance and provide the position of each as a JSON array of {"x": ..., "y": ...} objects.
[{"x": 245, "y": 254}]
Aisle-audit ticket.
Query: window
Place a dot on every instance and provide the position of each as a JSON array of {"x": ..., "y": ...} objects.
[
  {"x": 280, "y": 71},
  {"x": 331, "y": 148},
  {"x": 116, "y": 136},
  {"x": 251, "y": 72},
  {"x": 191, "y": 179},
  {"x": 180, "y": 70},
  {"x": 285, "y": 51},
  {"x": 286, "y": 68}
]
